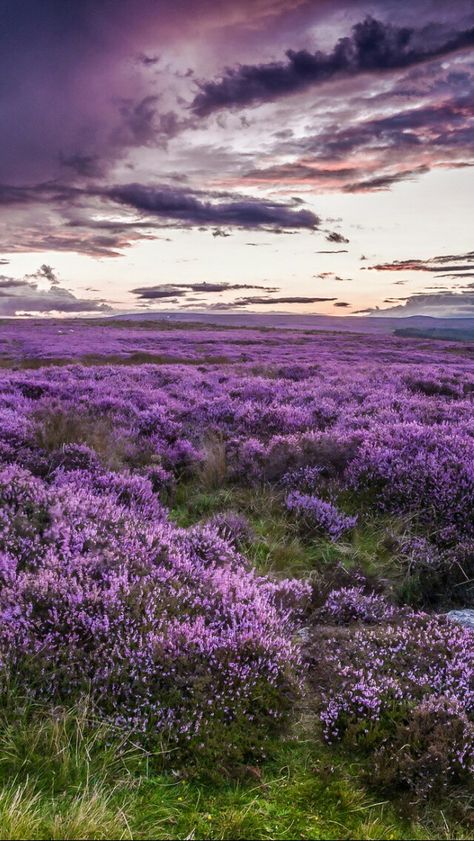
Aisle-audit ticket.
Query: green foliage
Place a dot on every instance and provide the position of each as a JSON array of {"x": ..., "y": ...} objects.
[{"x": 63, "y": 776}]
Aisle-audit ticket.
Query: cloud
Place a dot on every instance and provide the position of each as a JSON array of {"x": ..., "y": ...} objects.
[
  {"x": 337, "y": 251},
  {"x": 209, "y": 286},
  {"x": 180, "y": 289},
  {"x": 62, "y": 217},
  {"x": 373, "y": 47},
  {"x": 256, "y": 300},
  {"x": 20, "y": 296},
  {"x": 460, "y": 274},
  {"x": 158, "y": 292},
  {"x": 148, "y": 60},
  {"x": 46, "y": 272},
  {"x": 332, "y": 276},
  {"x": 179, "y": 204},
  {"x": 195, "y": 208},
  {"x": 295, "y": 299},
  {"x": 335, "y": 237},
  {"x": 384, "y": 182},
  {"x": 443, "y": 305},
  {"x": 441, "y": 263},
  {"x": 83, "y": 164},
  {"x": 352, "y": 153}
]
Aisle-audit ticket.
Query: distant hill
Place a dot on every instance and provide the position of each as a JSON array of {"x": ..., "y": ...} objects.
[
  {"x": 451, "y": 334},
  {"x": 424, "y": 326}
]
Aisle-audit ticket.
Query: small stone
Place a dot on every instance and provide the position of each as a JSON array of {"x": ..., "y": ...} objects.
[
  {"x": 304, "y": 634},
  {"x": 462, "y": 617}
]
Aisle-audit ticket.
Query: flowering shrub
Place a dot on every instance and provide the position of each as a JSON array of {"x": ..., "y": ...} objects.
[
  {"x": 316, "y": 515},
  {"x": 431, "y": 747},
  {"x": 305, "y": 479},
  {"x": 412, "y": 468},
  {"x": 350, "y": 604},
  {"x": 436, "y": 576},
  {"x": 74, "y": 457},
  {"x": 166, "y": 630},
  {"x": 233, "y": 527},
  {"x": 381, "y": 685}
]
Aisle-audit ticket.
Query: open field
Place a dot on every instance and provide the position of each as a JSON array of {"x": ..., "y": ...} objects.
[{"x": 226, "y": 559}]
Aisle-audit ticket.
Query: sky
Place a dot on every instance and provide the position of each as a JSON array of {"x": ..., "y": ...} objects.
[{"x": 311, "y": 156}]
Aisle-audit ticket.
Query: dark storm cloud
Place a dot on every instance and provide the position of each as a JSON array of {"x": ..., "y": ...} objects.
[
  {"x": 341, "y": 304},
  {"x": 83, "y": 165},
  {"x": 73, "y": 99},
  {"x": 82, "y": 83},
  {"x": 62, "y": 217},
  {"x": 373, "y": 47},
  {"x": 189, "y": 207},
  {"x": 143, "y": 125},
  {"x": 194, "y": 209}
]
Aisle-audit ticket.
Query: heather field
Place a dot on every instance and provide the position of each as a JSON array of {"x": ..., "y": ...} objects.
[{"x": 229, "y": 562}]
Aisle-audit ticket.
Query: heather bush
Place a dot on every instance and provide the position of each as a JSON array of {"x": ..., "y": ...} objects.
[
  {"x": 334, "y": 576},
  {"x": 180, "y": 457},
  {"x": 162, "y": 481},
  {"x": 410, "y": 468},
  {"x": 74, "y": 457},
  {"x": 434, "y": 386},
  {"x": 351, "y": 604},
  {"x": 305, "y": 479},
  {"x": 165, "y": 630},
  {"x": 431, "y": 748},
  {"x": 390, "y": 688},
  {"x": 435, "y": 577},
  {"x": 330, "y": 453},
  {"x": 317, "y": 516},
  {"x": 233, "y": 527}
]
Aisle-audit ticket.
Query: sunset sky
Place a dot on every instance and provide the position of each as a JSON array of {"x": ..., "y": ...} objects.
[{"x": 268, "y": 155}]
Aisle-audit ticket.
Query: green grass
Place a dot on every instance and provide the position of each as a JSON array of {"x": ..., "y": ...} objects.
[
  {"x": 279, "y": 548},
  {"x": 60, "y": 779}
]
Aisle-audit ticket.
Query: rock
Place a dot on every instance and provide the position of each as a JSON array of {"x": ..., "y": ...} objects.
[
  {"x": 462, "y": 617},
  {"x": 304, "y": 634}
]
